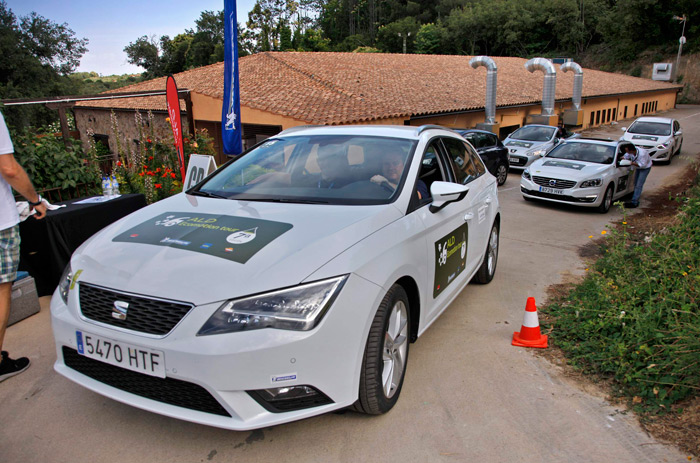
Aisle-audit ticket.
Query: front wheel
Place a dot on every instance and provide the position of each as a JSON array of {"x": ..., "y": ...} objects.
[
  {"x": 607, "y": 200},
  {"x": 386, "y": 354},
  {"x": 488, "y": 265},
  {"x": 501, "y": 174}
]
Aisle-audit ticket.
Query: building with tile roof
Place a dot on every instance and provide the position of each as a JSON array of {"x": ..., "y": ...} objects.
[{"x": 285, "y": 89}]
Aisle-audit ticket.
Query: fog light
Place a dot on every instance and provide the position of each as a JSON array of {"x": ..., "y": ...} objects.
[{"x": 289, "y": 398}]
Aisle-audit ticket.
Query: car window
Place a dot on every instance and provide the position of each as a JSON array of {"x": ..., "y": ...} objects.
[
  {"x": 533, "y": 133},
  {"x": 490, "y": 140},
  {"x": 464, "y": 169},
  {"x": 471, "y": 138},
  {"x": 587, "y": 152},
  {"x": 332, "y": 169},
  {"x": 650, "y": 128},
  {"x": 676, "y": 126},
  {"x": 476, "y": 161}
]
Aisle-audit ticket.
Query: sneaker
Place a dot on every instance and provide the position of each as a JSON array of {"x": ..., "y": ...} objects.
[
  {"x": 10, "y": 367},
  {"x": 631, "y": 205}
]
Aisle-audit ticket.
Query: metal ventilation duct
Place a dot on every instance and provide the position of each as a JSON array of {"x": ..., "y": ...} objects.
[
  {"x": 578, "y": 81},
  {"x": 550, "y": 82},
  {"x": 491, "y": 78}
]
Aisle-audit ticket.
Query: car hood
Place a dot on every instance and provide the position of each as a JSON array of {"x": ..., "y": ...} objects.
[
  {"x": 203, "y": 250},
  {"x": 564, "y": 169},
  {"x": 642, "y": 139},
  {"x": 521, "y": 146}
]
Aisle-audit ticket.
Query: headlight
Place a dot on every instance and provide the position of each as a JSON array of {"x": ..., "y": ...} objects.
[
  {"x": 663, "y": 146},
  {"x": 299, "y": 308},
  {"x": 526, "y": 174},
  {"x": 591, "y": 183},
  {"x": 537, "y": 152},
  {"x": 64, "y": 283}
]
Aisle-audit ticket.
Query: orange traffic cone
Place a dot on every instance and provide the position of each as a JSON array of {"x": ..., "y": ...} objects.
[{"x": 529, "y": 335}]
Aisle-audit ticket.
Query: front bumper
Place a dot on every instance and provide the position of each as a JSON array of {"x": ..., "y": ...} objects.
[
  {"x": 587, "y": 197},
  {"x": 520, "y": 161},
  {"x": 214, "y": 373}
]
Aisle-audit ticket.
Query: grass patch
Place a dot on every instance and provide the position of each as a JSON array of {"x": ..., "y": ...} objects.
[{"x": 634, "y": 319}]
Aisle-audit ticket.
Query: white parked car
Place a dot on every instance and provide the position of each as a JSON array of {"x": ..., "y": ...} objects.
[
  {"x": 287, "y": 284},
  {"x": 529, "y": 142},
  {"x": 661, "y": 136},
  {"x": 584, "y": 172}
]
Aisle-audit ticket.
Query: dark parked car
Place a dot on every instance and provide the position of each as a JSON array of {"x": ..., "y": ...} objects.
[{"x": 491, "y": 150}]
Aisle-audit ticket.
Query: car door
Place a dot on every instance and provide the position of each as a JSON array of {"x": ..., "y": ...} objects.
[
  {"x": 490, "y": 151},
  {"x": 623, "y": 175},
  {"x": 677, "y": 136},
  {"x": 452, "y": 250}
]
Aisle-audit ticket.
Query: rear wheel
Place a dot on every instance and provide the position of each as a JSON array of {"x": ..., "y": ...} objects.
[
  {"x": 488, "y": 265},
  {"x": 607, "y": 200},
  {"x": 501, "y": 174},
  {"x": 386, "y": 354}
]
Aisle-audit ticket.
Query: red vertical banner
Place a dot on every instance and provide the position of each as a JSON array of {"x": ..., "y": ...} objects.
[{"x": 173, "y": 102}]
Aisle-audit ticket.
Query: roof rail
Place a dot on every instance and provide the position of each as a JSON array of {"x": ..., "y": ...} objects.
[
  {"x": 423, "y": 128},
  {"x": 299, "y": 127}
]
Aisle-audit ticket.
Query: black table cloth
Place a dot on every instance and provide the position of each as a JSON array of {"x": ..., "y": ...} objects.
[{"x": 47, "y": 244}]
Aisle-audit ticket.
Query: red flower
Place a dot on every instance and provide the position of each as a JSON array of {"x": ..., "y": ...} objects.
[
  {"x": 150, "y": 158},
  {"x": 148, "y": 140},
  {"x": 119, "y": 163},
  {"x": 158, "y": 169},
  {"x": 158, "y": 185},
  {"x": 172, "y": 175},
  {"x": 141, "y": 174},
  {"x": 164, "y": 175}
]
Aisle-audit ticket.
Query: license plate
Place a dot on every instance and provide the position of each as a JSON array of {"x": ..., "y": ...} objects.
[
  {"x": 147, "y": 361},
  {"x": 551, "y": 190},
  {"x": 513, "y": 160}
]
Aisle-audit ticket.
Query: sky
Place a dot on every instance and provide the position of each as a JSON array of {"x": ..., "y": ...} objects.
[{"x": 112, "y": 25}]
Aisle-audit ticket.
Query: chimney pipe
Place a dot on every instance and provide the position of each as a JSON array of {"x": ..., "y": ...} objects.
[
  {"x": 578, "y": 81},
  {"x": 550, "y": 82},
  {"x": 491, "y": 78}
]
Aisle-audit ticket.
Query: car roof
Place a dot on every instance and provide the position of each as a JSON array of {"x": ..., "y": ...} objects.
[
  {"x": 663, "y": 120},
  {"x": 539, "y": 125},
  {"x": 462, "y": 131},
  {"x": 392, "y": 131}
]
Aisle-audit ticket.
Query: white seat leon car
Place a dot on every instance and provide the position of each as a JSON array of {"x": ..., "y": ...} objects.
[
  {"x": 660, "y": 136},
  {"x": 287, "y": 284},
  {"x": 583, "y": 171}
]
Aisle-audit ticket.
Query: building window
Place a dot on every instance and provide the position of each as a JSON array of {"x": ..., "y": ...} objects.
[
  {"x": 614, "y": 114},
  {"x": 592, "y": 118},
  {"x": 635, "y": 109},
  {"x": 597, "y": 117},
  {"x": 625, "y": 116},
  {"x": 609, "y": 112}
]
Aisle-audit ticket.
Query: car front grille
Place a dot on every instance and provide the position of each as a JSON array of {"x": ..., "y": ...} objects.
[
  {"x": 143, "y": 315},
  {"x": 553, "y": 182},
  {"x": 166, "y": 390}
]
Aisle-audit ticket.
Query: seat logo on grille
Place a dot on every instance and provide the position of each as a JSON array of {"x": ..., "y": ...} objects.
[{"x": 119, "y": 310}]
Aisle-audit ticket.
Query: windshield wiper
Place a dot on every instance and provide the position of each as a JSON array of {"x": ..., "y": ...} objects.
[
  {"x": 295, "y": 201},
  {"x": 206, "y": 194}
]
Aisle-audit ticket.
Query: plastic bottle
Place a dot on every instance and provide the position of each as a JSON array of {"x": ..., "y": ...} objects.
[
  {"x": 105, "y": 187},
  {"x": 115, "y": 186}
]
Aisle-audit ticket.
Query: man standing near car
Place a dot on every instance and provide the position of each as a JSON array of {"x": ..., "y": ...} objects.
[
  {"x": 12, "y": 175},
  {"x": 641, "y": 161}
]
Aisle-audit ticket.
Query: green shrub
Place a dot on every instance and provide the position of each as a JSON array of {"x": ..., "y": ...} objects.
[
  {"x": 50, "y": 164},
  {"x": 635, "y": 317}
]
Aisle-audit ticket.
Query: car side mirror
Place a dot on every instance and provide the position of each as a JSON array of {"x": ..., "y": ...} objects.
[
  {"x": 444, "y": 193},
  {"x": 624, "y": 129},
  {"x": 625, "y": 163},
  {"x": 556, "y": 141},
  {"x": 680, "y": 132}
]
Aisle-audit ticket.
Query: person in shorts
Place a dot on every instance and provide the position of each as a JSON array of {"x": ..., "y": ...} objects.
[{"x": 12, "y": 175}]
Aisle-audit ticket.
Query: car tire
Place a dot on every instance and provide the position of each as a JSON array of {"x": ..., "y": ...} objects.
[
  {"x": 501, "y": 174},
  {"x": 488, "y": 266},
  {"x": 678, "y": 151},
  {"x": 607, "y": 200},
  {"x": 386, "y": 354}
]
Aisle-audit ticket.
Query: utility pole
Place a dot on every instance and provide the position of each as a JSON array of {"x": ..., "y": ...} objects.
[
  {"x": 681, "y": 41},
  {"x": 404, "y": 36}
]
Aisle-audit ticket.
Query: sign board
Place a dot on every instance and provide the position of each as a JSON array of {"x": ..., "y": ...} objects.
[{"x": 200, "y": 166}]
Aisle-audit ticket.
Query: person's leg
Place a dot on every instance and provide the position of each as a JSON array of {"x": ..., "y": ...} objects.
[
  {"x": 9, "y": 259},
  {"x": 639, "y": 180}
]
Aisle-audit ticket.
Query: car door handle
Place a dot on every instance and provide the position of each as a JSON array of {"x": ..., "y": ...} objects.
[
  {"x": 468, "y": 216},
  {"x": 488, "y": 201}
]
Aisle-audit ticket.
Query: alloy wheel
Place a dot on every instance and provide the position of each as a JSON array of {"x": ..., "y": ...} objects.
[{"x": 395, "y": 349}]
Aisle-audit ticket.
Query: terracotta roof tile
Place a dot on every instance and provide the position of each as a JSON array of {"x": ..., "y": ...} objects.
[{"x": 337, "y": 88}]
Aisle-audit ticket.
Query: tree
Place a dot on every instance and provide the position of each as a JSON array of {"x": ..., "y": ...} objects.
[
  {"x": 429, "y": 39},
  {"x": 36, "y": 56},
  {"x": 388, "y": 39},
  {"x": 145, "y": 52}
]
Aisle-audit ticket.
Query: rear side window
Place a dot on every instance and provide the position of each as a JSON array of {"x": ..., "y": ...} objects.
[{"x": 465, "y": 170}]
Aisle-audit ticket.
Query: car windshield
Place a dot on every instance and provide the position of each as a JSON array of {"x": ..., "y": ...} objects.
[
  {"x": 530, "y": 133},
  {"x": 323, "y": 169},
  {"x": 650, "y": 128},
  {"x": 588, "y": 152}
]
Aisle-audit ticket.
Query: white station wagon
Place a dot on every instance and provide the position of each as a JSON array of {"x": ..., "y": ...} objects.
[
  {"x": 583, "y": 171},
  {"x": 287, "y": 284}
]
